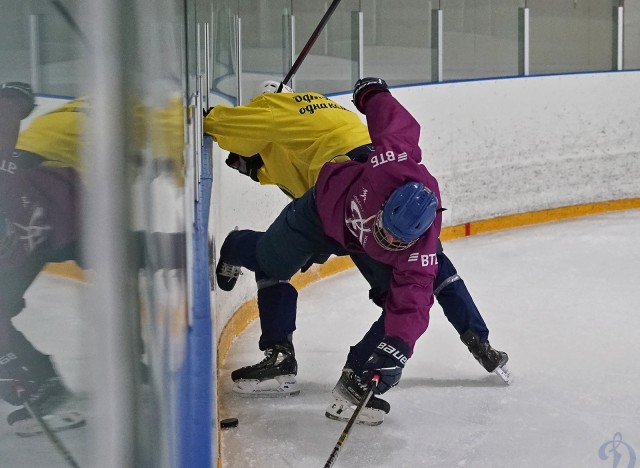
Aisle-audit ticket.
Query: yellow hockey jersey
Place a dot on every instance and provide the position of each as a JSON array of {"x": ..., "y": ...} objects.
[
  {"x": 56, "y": 136},
  {"x": 295, "y": 133}
]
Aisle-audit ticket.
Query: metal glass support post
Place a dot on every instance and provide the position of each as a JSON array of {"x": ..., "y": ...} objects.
[
  {"x": 292, "y": 30},
  {"x": 523, "y": 41},
  {"x": 436, "y": 45},
  {"x": 34, "y": 52},
  {"x": 286, "y": 42},
  {"x": 357, "y": 48},
  {"x": 197, "y": 114},
  {"x": 619, "y": 35},
  {"x": 206, "y": 90},
  {"x": 239, "y": 58}
]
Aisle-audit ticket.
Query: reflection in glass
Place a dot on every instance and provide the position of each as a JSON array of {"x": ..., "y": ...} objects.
[{"x": 42, "y": 338}]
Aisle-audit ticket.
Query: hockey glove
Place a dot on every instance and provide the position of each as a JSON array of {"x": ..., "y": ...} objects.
[
  {"x": 21, "y": 92},
  {"x": 248, "y": 166},
  {"x": 365, "y": 88},
  {"x": 387, "y": 361}
]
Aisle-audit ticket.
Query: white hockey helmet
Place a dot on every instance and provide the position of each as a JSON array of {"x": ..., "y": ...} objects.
[{"x": 271, "y": 86}]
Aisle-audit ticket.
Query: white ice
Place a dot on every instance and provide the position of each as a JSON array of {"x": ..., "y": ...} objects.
[{"x": 561, "y": 298}]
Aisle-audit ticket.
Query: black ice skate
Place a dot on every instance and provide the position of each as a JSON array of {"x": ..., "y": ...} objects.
[
  {"x": 347, "y": 394},
  {"x": 274, "y": 376},
  {"x": 489, "y": 358},
  {"x": 226, "y": 274},
  {"x": 49, "y": 400}
]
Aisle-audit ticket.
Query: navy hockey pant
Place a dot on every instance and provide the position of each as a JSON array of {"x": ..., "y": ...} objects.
[{"x": 295, "y": 237}]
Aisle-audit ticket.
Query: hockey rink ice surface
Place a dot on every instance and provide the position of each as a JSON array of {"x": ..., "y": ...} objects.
[{"x": 562, "y": 298}]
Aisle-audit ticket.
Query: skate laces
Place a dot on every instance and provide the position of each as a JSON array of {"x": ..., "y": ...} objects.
[
  {"x": 269, "y": 353},
  {"x": 354, "y": 383}
]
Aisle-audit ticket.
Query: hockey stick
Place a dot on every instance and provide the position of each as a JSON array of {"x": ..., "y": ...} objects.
[
  {"x": 354, "y": 417},
  {"x": 70, "y": 20},
  {"x": 307, "y": 47},
  {"x": 55, "y": 440}
]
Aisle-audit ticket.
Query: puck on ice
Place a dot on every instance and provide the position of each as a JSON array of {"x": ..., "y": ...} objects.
[{"x": 228, "y": 423}]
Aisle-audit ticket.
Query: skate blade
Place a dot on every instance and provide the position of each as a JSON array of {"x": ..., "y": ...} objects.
[
  {"x": 341, "y": 410},
  {"x": 56, "y": 422},
  {"x": 281, "y": 386},
  {"x": 505, "y": 374}
]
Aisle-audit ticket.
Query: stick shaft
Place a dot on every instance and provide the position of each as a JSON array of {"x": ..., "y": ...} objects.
[
  {"x": 69, "y": 19},
  {"x": 55, "y": 440},
  {"x": 343, "y": 437},
  {"x": 305, "y": 50}
]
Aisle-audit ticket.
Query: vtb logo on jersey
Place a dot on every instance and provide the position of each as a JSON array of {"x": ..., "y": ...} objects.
[
  {"x": 356, "y": 224},
  {"x": 425, "y": 259}
]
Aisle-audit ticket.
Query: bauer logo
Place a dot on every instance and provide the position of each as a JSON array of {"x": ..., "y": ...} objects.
[
  {"x": 393, "y": 352},
  {"x": 618, "y": 453}
]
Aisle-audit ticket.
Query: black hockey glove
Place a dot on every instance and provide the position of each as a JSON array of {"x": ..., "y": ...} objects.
[
  {"x": 21, "y": 92},
  {"x": 248, "y": 166},
  {"x": 365, "y": 88},
  {"x": 387, "y": 361}
]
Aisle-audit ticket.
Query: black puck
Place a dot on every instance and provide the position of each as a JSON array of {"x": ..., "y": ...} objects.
[{"x": 229, "y": 423}]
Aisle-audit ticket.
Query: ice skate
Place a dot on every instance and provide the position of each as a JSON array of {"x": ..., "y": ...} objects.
[
  {"x": 274, "y": 376},
  {"x": 52, "y": 401},
  {"x": 226, "y": 274},
  {"x": 347, "y": 394},
  {"x": 491, "y": 359}
]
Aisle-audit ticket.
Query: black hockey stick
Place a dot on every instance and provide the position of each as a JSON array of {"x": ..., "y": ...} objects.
[
  {"x": 307, "y": 47},
  {"x": 55, "y": 440},
  {"x": 354, "y": 417},
  {"x": 70, "y": 20}
]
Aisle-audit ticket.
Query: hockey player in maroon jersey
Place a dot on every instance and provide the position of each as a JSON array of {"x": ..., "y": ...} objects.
[{"x": 38, "y": 224}]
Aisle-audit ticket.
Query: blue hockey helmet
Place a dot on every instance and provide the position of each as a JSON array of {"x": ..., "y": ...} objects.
[{"x": 407, "y": 214}]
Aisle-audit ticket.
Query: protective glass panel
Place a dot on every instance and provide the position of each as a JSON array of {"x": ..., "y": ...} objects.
[
  {"x": 398, "y": 40},
  {"x": 631, "y": 58},
  {"x": 48, "y": 345},
  {"x": 43, "y": 334},
  {"x": 328, "y": 65},
  {"x": 480, "y": 38},
  {"x": 572, "y": 35},
  {"x": 266, "y": 45}
]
